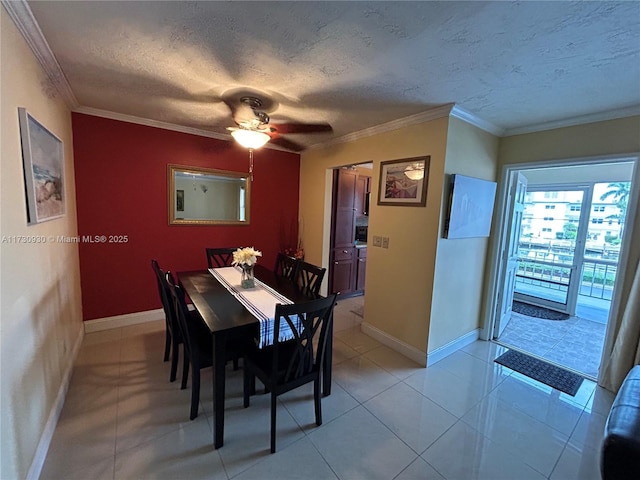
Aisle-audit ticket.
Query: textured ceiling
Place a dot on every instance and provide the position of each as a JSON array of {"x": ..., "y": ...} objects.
[{"x": 352, "y": 64}]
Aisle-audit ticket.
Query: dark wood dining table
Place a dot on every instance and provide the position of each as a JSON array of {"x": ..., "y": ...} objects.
[{"x": 227, "y": 319}]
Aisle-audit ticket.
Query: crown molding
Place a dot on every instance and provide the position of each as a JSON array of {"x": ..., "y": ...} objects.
[
  {"x": 26, "y": 23},
  {"x": 476, "y": 121},
  {"x": 572, "y": 122},
  {"x": 121, "y": 117},
  {"x": 427, "y": 115},
  {"x": 96, "y": 112}
]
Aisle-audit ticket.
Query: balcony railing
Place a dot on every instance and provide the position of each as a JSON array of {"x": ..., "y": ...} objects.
[{"x": 596, "y": 281}]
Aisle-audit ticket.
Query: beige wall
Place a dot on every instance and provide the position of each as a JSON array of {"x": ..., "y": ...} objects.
[
  {"x": 460, "y": 263},
  {"x": 399, "y": 280},
  {"x": 593, "y": 139},
  {"x": 41, "y": 318}
]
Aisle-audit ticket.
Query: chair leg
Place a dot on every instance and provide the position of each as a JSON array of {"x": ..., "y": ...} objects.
[
  {"x": 246, "y": 375},
  {"x": 235, "y": 364},
  {"x": 195, "y": 393},
  {"x": 185, "y": 369},
  {"x": 317, "y": 401},
  {"x": 175, "y": 355},
  {"x": 273, "y": 421},
  {"x": 167, "y": 344}
]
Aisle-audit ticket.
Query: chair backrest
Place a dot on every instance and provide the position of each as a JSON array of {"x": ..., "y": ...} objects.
[
  {"x": 293, "y": 360},
  {"x": 310, "y": 277},
  {"x": 286, "y": 266},
  {"x": 182, "y": 311},
  {"x": 165, "y": 298},
  {"x": 220, "y": 257}
]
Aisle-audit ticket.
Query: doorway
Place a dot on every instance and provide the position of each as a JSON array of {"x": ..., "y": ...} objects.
[{"x": 562, "y": 234}]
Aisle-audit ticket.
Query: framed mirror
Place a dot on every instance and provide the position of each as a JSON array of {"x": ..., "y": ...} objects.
[{"x": 205, "y": 196}]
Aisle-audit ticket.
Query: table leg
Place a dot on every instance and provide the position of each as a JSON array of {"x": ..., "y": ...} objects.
[
  {"x": 219, "y": 355},
  {"x": 328, "y": 362}
]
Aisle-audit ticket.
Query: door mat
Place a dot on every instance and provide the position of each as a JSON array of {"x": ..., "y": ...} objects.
[
  {"x": 538, "y": 312},
  {"x": 556, "y": 377}
]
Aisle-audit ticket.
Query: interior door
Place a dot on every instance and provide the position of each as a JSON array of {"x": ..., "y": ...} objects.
[{"x": 518, "y": 190}]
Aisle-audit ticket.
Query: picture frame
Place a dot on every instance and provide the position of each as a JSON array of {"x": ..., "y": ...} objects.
[
  {"x": 43, "y": 163},
  {"x": 403, "y": 183},
  {"x": 180, "y": 200}
]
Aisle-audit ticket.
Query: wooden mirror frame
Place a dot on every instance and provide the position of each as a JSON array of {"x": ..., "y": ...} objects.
[{"x": 172, "y": 170}]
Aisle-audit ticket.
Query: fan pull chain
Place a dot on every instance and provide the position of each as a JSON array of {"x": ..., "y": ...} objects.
[{"x": 251, "y": 164}]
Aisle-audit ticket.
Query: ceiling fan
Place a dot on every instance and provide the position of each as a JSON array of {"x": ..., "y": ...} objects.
[{"x": 254, "y": 129}]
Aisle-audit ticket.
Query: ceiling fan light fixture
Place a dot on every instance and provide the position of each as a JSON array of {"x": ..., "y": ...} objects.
[
  {"x": 250, "y": 138},
  {"x": 415, "y": 171}
]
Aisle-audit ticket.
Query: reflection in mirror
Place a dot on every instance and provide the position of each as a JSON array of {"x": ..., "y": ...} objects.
[{"x": 204, "y": 196}]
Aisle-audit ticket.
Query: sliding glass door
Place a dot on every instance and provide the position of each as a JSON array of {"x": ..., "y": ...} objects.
[{"x": 551, "y": 246}]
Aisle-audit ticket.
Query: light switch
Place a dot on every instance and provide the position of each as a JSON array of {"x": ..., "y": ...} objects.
[
  {"x": 385, "y": 242},
  {"x": 377, "y": 241}
]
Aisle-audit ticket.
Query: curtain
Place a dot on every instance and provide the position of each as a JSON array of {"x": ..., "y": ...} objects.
[{"x": 626, "y": 346}]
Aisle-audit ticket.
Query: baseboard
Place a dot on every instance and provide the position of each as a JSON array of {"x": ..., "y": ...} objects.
[
  {"x": 393, "y": 343},
  {"x": 125, "y": 320},
  {"x": 50, "y": 427},
  {"x": 453, "y": 346}
]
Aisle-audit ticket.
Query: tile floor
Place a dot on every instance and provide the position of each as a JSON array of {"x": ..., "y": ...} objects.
[
  {"x": 575, "y": 343},
  {"x": 465, "y": 417}
]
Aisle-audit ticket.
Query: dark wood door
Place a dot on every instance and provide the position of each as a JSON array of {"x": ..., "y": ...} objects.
[
  {"x": 361, "y": 268},
  {"x": 343, "y": 216},
  {"x": 342, "y": 278},
  {"x": 362, "y": 187}
]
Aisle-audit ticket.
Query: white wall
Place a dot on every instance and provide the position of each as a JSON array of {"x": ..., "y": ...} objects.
[{"x": 41, "y": 316}]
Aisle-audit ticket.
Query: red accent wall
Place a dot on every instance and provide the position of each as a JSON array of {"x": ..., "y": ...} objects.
[{"x": 121, "y": 189}]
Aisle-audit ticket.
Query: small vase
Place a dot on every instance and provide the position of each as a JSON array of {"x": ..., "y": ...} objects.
[{"x": 247, "y": 279}]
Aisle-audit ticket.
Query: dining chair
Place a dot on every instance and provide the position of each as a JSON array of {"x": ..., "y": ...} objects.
[
  {"x": 287, "y": 365},
  {"x": 309, "y": 277},
  {"x": 286, "y": 266},
  {"x": 198, "y": 345},
  {"x": 220, "y": 257},
  {"x": 173, "y": 335}
]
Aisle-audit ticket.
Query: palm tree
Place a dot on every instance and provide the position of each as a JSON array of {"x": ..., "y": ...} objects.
[{"x": 620, "y": 193}]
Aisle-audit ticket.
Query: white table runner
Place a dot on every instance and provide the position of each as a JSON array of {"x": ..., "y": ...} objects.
[{"x": 261, "y": 301}]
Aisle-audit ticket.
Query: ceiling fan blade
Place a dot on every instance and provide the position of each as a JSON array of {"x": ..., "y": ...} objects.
[
  {"x": 288, "y": 144},
  {"x": 302, "y": 127}
]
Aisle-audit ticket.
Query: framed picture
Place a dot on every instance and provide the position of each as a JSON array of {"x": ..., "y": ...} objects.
[
  {"x": 404, "y": 182},
  {"x": 180, "y": 200},
  {"x": 43, "y": 161}
]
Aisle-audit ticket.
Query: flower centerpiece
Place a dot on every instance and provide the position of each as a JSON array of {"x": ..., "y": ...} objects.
[{"x": 246, "y": 258}]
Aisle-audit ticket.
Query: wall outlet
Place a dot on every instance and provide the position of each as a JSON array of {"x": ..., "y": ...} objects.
[
  {"x": 377, "y": 241},
  {"x": 385, "y": 242}
]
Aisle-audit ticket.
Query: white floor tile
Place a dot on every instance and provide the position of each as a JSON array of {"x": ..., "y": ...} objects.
[
  {"x": 297, "y": 461},
  {"x": 448, "y": 390},
  {"x": 463, "y": 453},
  {"x": 357, "y": 446},
  {"x": 577, "y": 464},
  {"x": 362, "y": 378},
  {"x": 541, "y": 402},
  {"x": 123, "y": 419},
  {"x": 393, "y": 362},
  {"x": 419, "y": 470},
  {"x": 183, "y": 453},
  {"x": 299, "y": 403},
  {"x": 415, "y": 419},
  {"x": 537, "y": 444}
]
